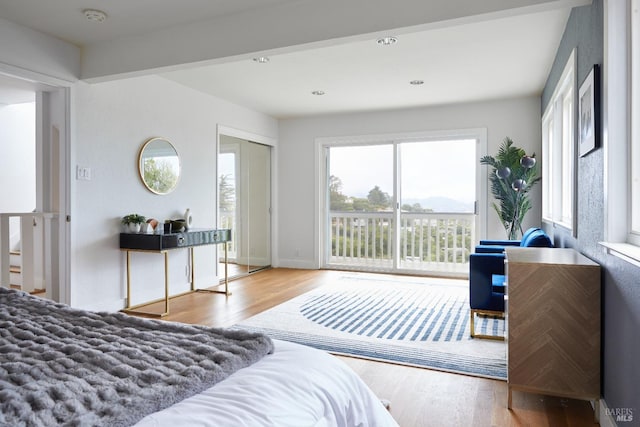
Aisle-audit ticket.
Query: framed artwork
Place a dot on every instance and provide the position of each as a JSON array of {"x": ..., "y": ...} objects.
[{"x": 589, "y": 112}]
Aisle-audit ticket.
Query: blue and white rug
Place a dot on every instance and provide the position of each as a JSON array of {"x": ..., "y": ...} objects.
[{"x": 409, "y": 320}]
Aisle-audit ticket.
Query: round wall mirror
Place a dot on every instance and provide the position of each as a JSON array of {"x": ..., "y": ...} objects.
[{"x": 159, "y": 166}]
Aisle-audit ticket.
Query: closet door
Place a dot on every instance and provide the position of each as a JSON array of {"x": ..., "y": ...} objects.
[
  {"x": 258, "y": 205},
  {"x": 244, "y": 185}
]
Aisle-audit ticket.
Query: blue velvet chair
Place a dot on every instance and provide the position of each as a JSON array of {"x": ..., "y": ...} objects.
[
  {"x": 531, "y": 238},
  {"x": 486, "y": 275},
  {"x": 486, "y": 288}
]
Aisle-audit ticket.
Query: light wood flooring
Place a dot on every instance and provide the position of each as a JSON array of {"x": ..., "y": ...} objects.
[{"x": 419, "y": 397}]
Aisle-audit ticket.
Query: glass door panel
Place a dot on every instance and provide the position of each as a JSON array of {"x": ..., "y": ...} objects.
[
  {"x": 360, "y": 223},
  {"x": 437, "y": 204},
  {"x": 258, "y": 200}
]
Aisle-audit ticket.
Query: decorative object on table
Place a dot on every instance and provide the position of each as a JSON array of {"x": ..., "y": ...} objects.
[
  {"x": 589, "y": 112},
  {"x": 133, "y": 222},
  {"x": 159, "y": 166},
  {"x": 514, "y": 174},
  {"x": 188, "y": 219},
  {"x": 178, "y": 225},
  {"x": 152, "y": 225}
]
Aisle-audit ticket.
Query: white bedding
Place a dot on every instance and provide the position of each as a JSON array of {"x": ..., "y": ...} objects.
[{"x": 295, "y": 386}]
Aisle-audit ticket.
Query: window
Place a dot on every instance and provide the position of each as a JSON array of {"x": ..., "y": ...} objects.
[
  {"x": 558, "y": 151},
  {"x": 622, "y": 130}
]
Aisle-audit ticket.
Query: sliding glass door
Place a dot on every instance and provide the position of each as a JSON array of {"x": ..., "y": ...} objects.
[{"x": 401, "y": 205}]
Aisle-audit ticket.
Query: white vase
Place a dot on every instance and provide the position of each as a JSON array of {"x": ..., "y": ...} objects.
[
  {"x": 133, "y": 228},
  {"x": 187, "y": 218}
]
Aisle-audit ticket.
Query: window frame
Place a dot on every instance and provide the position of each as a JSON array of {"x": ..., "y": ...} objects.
[
  {"x": 321, "y": 172},
  {"x": 617, "y": 129},
  {"x": 559, "y": 151},
  {"x": 633, "y": 215}
]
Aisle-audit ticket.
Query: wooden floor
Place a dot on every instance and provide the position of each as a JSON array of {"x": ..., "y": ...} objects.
[{"x": 419, "y": 397}]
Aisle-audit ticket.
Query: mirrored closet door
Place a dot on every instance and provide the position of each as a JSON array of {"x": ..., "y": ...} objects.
[{"x": 244, "y": 203}]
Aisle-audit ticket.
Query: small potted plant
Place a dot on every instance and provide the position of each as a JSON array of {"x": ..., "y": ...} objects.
[{"x": 133, "y": 222}]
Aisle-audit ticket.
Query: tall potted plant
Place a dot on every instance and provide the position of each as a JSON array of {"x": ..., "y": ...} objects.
[{"x": 514, "y": 174}]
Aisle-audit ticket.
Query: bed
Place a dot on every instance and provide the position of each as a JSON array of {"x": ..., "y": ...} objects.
[{"x": 64, "y": 366}]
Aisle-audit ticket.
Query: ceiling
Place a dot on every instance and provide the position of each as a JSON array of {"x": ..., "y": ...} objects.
[
  {"x": 505, "y": 57},
  {"x": 64, "y": 18}
]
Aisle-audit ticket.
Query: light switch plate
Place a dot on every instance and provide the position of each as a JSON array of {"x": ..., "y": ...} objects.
[{"x": 83, "y": 173}]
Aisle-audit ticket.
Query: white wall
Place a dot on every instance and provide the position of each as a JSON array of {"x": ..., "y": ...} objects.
[
  {"x": 26, "y": 51},
  {"x": 18, "y": 159},
  {"x": 113, "y": 119},
  {"x": 17, "y": 162},
  {"x": 297, "y": 247}
]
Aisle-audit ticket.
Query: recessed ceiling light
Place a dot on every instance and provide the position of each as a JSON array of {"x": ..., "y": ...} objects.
[
  {"x": 317, "y": 92},
  {"x": 261, "y": 59},
  {"x": 386, "y": 41},
  {"x": 95, "y": 15},
  {"x": 416, "y": 82}
]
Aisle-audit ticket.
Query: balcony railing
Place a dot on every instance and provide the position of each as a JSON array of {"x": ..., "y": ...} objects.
[
  {"x": 28, "y": 252},
  {"x": 426, "y": 242},
  {"x": 228, "y": 220}
]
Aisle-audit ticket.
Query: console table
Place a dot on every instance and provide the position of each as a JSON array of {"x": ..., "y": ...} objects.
[
  {"x": 553, "y": 323},
  {"x": 163, "y": 244}
]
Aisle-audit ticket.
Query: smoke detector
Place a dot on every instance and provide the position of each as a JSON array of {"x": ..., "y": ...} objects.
[
  {"x": 387, "y": 41},
  {"x": 94, "y": 15}
]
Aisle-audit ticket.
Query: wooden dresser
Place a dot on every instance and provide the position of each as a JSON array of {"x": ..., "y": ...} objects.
[{"x": 553, "y": 323}]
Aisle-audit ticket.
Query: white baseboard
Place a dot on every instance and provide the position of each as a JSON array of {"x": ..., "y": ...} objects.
[
  {"x": 297, "y": 263},
  {"x": 252, "y": 261}
]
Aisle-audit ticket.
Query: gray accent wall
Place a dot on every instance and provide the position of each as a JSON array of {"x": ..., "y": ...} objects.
[{"x": 620, "y": 280}]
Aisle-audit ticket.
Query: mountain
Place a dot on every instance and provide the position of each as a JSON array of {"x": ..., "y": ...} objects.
[{"x": 442, "y": 204}]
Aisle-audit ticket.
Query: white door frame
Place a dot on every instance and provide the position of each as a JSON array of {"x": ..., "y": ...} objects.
[
  {"x": 53, "y": 130},
  {"x": 53, "y": 194}
]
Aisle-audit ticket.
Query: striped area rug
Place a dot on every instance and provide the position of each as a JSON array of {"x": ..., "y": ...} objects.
[{"x": 409, "y": 320}]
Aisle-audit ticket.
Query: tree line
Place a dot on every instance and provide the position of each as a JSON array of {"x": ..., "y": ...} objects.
[{"x": 376, "y": 200}]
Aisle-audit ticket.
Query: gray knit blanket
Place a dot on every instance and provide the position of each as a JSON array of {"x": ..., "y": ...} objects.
[{"x": 64, "y": 366}]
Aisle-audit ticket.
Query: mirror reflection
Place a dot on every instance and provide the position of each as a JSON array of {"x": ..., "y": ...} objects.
[
  {"x": 244, "y": 188},
  {"x": 159, "y": 166}
]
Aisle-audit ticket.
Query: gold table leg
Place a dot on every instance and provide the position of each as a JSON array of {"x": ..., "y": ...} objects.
[
  {"x": 166, "y": 284},
  {"x": 226, "y": 269},
  {"x": 128, "y": 279},
  {"x": 226, "y": 276},
  {"x": 131, "y": 309},
  {"x": 192, "y": 276}
]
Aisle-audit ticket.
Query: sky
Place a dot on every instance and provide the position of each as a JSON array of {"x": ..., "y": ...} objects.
[{"x": 428, "y": 169}]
